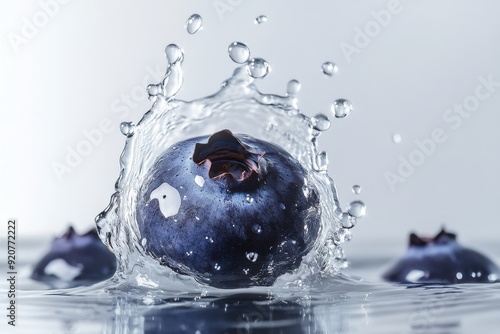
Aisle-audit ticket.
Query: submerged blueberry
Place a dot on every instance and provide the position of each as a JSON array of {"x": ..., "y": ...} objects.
[
  {"x": 229, "y": 210},
  {"x": 76, "y": 258},
  {"x": 442, "y": 260}
]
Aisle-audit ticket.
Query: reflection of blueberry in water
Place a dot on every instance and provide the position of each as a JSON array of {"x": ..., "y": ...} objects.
[
  {"x": 235, "y": 314},
  {"x": 77, "y": 259},
  {"x": 442, "y": 260},
  {"x": 230, "y": 210}
]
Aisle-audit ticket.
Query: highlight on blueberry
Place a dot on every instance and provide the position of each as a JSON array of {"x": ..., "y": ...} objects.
[
  {"x": 442, "y": 260},
  {"x": 229, "y": 210},
  {"x": 73, "y": 258}
]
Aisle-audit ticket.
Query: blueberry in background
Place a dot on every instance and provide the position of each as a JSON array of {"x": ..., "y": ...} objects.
[
  {"x": 229, "y": 210},
  {"x": 75, "y": 259},
  {"x": 442, "y": 260}
]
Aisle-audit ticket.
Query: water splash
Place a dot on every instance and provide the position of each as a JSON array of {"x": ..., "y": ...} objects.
[
  {"x": 194, "y": 23},
  {"x": 241, "y": 107}
]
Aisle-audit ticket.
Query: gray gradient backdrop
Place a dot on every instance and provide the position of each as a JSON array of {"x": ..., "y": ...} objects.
[{"x": 72, "y": 71}]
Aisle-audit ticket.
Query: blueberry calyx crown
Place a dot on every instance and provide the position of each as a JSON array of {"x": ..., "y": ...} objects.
[
  {"x": 442, "y": 237},
  {"x": 227, "y": 156}
]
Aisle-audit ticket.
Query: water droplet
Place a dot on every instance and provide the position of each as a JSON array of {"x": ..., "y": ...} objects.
[
  {"x": 154, "y": 89},
  {"x": 342, "y": 108},
  {"x": 357, "y": 209},
  {"x": 320, "y": 122},
  {"x": 249, "y": 199},
  {"x": 347, "y": 221},
  {"x": 293, "y": 87},
  {"x": 329, "y": 68},
  {"x": 396, "y": 138},
  {"x": 283, "y": 207},
  {"x": 258, "y": 68},
  {"x": 252, "y": 256},
  {"x": 246, "y": 271},
  {"x": 322, "y": 162},
  {"x": 459, "y": 275},
  {"x": 194, "y": 23},
  {"x": 173, "y": 53},
  {"x": 217, "y": 266},
  {"x": 260, "y": 19},
  {"x": 144, "y": 241},
  {"x": 257, "y": 229},
  {"x": 127, "y": 128},
  {"x": 356, "y": 189},
  {"x": 238, "y": 52}
]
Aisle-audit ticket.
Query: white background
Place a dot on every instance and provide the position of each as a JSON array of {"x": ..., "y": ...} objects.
[{"x": 73, "y": 71}]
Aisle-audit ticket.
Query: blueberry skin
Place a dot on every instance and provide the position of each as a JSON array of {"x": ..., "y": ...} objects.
[
  {"x": 91, "y": 258},
  {"x": 442, "y": 260},
  {"x": 249, "y": 220}
]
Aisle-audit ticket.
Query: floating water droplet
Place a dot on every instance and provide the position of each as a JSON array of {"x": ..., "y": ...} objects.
[
  {"x": 320, "y": 122},
  {"x": 217, "y": 266},
  {"x": 173, "y": 53},
  {"x": 356, "y": 189},
  {"x": 329, "y": 68},
  {"x": 396, "y": 138},
  {"x": 258, "y": 68},
  {"x": 144, "y": 241},
  {"x": 238, "y": 52},
  {"x": 342, "y": 108},
  {"x": 283, "y": 207},
  {"x": 127, "y": 128},
  {"x": 194, "y": 23},
  {"x": 260, "y": 19},
  {"x": 357, "y": 209},
  {"x": 252, "y": 256},
  {"x": 293, "y": 87},
  {"x": 257, "y": 229}
]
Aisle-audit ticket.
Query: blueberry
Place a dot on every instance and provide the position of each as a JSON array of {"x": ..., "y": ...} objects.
[
  {"x": 442, "y": 260},
  {"x": 229, "y": 210},
  {"x": 73, "y": 258}
]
